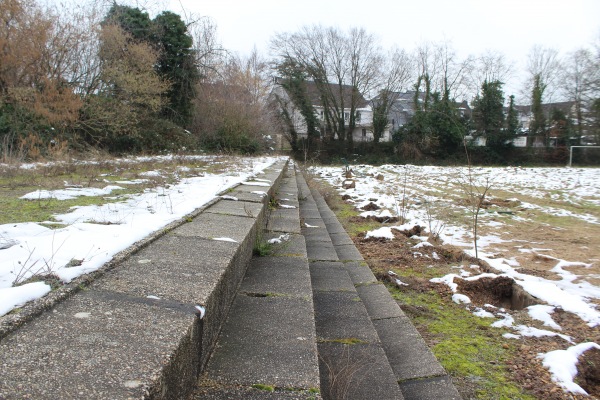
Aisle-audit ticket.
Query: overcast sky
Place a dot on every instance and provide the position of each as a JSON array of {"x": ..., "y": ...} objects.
[{"x": 472, "y": 26}]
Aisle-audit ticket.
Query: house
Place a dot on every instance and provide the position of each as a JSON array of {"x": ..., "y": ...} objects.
[
  {"x": 552, "y": 138},
  {"x": 402, "y": 109},
  {"x": 363, "y": 130}
]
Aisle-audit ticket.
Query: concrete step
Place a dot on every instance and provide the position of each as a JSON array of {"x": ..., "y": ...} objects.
[
  {"x": 415, "y": 369},
  {"x": 135, "y": 332},
  {"x": 352, "y": 362},
  {"x": 267, "y": 348}
]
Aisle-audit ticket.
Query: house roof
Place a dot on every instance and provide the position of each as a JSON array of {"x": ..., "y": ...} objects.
[
  {"x": 314, "y": 94},
  {"x": 564, "y": 106}
]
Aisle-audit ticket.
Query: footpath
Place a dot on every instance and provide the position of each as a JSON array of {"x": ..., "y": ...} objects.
[{"x": 190, "y": 317}]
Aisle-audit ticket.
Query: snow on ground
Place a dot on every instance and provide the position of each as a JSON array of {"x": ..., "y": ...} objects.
[
  {"x": 409, "y": 191},
  {"x": 562, "y": 365},
  {"x": 94, "y": 234}
]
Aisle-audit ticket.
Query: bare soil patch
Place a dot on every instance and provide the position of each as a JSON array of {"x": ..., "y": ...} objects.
[{"x": 525, "y": 367}]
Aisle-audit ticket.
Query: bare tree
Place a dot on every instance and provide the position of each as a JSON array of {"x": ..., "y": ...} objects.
[
  {"x": 489, "y": 67},
  {"x": 231, "y": 110},
  {"x": 209, "y": 54},
  {"x": 439, "y": 64},
  {"x": 577, "y": 71},
  {"x": 544, "y": 63},
  {"x": 396, "y": 75},
  {"x": 343, "y": 66}
]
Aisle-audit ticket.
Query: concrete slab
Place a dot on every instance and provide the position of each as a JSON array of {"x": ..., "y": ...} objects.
[
  {"x": 244, "y": 195},
  {"x": 294, "y": 246},
  {"x": 101, "y": 345},
  {"x": 340, "y": 238},
  {"x": 341, "y": 315},
  {"x": 259, "y": 344},
  {"x": 278, "y": 276},
  {"x": 320, "y": 251},
  {"x": 356, "y": 372},
  {"x": 309, "y": 212},
  {"x": 335, "y": 228},
  {"x": 188, "y": 270},
  {"x": 440, "y": 388},
  {"x": 378, "y": 301},
  {"x": 210, "y": 226},
  {"x": 288, "y": 192},
  {"x": 172, "y": 269},
  {"x": 209, "y": 392},
  {"x": 330, "y": 276},
  {"x": 314, "y": 222},
  {"x": 284, "y": 220},
  {"x": 407, "y": 353},
  {"x": 359, "y": 272},
  {"x": 239, "y": 208},
  {"x": 348, "y": 252},
  {"x": 316, "y": 233}
]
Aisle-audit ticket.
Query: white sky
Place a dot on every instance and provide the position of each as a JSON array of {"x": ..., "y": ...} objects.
[{"x": 472, "y": 26}]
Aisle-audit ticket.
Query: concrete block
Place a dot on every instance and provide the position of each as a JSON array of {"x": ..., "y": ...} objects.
[
  {"x": 439, "y": 388},
  {"x": 275, "y": 351},
  {"x": 330, "y": 276},
  {"x": 407, "y": 353},
  {"x": 378, "y": 301},
  {"x": 359, "y": 272},
  {"x": 348, "y": 252},
  {"x": 287, "y": 276},
  {"x": 102, "y": 345},
  {"x": 342, "y": 315},
  {"x": 358, "y": 371}
]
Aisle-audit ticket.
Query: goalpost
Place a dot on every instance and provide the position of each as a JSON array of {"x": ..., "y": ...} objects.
[{"x": 571, "y": 152}]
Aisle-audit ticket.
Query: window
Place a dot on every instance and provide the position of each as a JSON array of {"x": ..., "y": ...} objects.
[
  {"x": 364, "y": 133},
  {"x": 346, "y": 116},
  {"x": 358, "y": 116}
]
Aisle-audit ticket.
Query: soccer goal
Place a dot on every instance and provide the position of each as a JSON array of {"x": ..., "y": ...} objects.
[{"x": 578, "y": 147}]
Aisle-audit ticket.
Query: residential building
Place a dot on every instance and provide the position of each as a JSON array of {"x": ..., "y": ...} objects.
[{"x": 363, "y": 130}]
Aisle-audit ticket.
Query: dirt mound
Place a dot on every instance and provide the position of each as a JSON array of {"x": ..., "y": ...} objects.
[
  {"x": 371, "y": 207},
  {"x": 416, "y": 230},
  {"x": 588, "y": 372},
  {"x": 495, "y": 291}
]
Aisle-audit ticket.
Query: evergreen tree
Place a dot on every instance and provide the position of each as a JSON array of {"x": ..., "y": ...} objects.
[
  {"x": 561, "y": 127},
  {"x": 488, "y": 114},
  {"x": 176, "y": 64},
  {"x": 512, "y": 119},
  {"x": 538, "y": 123},
  {"x": 380, "y": 115},
  {"x": 132, "y": 20},
  {"x": 446, "y": 124},
  {"x": 168, "y": 35}
]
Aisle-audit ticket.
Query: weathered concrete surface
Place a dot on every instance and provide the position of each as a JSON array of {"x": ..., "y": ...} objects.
[
  {"x": 100, "y": 345},
  {"x": 358, "y": 371},
  {"x": 267, "y": 340},
  {"x": 363, "y": 334},
  {"x": 134, "y": 332},
  {"x": 436, "y": 388},
  {"x": 269, "y": 337}
]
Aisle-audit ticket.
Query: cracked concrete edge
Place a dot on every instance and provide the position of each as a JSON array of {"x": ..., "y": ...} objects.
[{"x": 14, "y": 320}]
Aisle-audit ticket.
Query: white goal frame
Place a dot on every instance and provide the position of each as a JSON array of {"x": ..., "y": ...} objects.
[{"x": 571, "y": 152}]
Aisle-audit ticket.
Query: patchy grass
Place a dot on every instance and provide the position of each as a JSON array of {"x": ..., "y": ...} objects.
[
  {"x": 15, "y": 210},
  {"x": 465, "y": 345},
  {"x": 266, "y": 388},
  {"x": 16, "y": 182}
]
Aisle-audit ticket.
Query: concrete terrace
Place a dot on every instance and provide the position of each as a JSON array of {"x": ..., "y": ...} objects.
[{"x": 305, "y": 320}]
